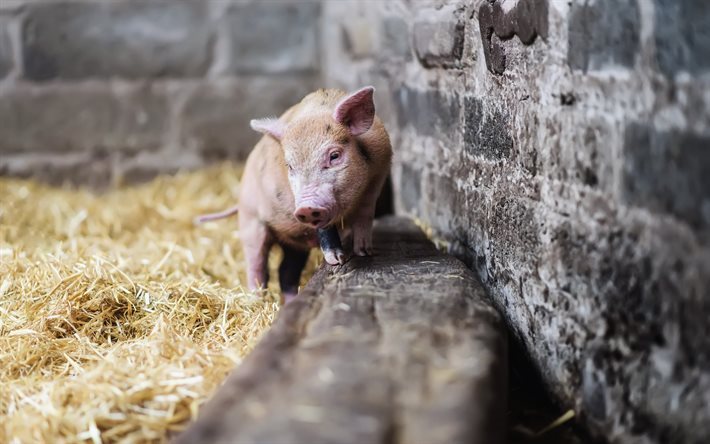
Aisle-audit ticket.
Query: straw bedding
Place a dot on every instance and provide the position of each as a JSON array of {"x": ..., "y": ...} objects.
[{"x": 119, "y": 317}]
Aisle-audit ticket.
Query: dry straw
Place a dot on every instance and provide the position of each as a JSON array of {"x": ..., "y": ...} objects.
[{"x": 119, "y": 317}]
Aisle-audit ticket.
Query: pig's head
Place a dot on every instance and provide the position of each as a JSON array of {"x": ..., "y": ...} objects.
[{"x": 327, "y": 165}]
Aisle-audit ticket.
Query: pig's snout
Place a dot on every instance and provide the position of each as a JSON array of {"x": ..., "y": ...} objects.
[
  {"x": 312, "y": 215},
  {"x": 315, "y": 204}
]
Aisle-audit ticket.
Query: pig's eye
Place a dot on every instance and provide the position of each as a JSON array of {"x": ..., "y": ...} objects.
[
  {"x": 335, "y": 157},
  {"x": 290, "y": 168}
]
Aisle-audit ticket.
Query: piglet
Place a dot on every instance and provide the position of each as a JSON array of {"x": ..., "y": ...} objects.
[{"x": 312, "y": 180}]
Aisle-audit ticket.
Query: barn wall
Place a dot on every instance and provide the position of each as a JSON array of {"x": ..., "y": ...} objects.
[
  {"x": 97, "y": 91},
  {"x": 564, "y": 152},
  {"x": 565, "y": 155}
]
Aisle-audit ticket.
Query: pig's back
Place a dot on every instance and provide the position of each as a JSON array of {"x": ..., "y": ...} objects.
[{"x": 265, "y": 181}]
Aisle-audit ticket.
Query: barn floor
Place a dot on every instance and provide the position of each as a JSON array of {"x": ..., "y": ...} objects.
[{"x": 118, "y": 317}]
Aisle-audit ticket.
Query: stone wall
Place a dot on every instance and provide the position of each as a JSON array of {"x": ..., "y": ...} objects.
[
  {"x": 563, "y": 149},
  {"x": 104, "y": 91}
]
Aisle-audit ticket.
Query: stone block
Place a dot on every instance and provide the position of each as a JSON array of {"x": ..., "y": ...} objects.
[
  {"x": 127, "y": 39},
  {"x": 88, "y": 169},
  {"x": 6, "y": 58},
  {"x": 576, "y": 149},
  {"x": 144, "y": 167},
  {"x": 215, "y": 119},
  {"x": 486, "y": 132},
  {"x": 430, "y": 112},
  {"x": 682, "y": 36},
  {"x": 358, "y": 37},
  {"x": 438, "y": 37},
  {"x": 667, "y": 171},
  {"x": 76, "y": 118},
  {"x": 443, "y": 202},
  {"x": 396, "y": 38},
  {"x": 500, "y": 21},
  {"x": 410, "y": 188},
  {"x": 273, "y": 37},
  {"x": 513, "y": 230},
  {"x": 635, "y": 313},
  {"x": 601, "y": 36}
]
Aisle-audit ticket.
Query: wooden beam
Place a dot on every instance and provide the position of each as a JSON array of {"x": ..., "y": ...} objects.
[{"x": 402, "y": 347}]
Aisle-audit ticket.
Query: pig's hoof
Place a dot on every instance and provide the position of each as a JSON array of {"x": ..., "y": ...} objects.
[
  {"x": 288, "y": 297},
  {"x": 335, "y": 257},
  {"x": 363, "y": 251},
  {"x": 362, "y": 246}
]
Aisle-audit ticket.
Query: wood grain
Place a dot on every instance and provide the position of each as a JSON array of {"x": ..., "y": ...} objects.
[{"x": 401, "y": 347}]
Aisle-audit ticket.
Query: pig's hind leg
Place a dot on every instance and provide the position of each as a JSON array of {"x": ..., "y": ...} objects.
[
  {"x": 292, "y": 265},
  {"x": 256, "y": 242}
]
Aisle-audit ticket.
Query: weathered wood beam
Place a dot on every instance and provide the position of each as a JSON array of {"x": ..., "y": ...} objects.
[{"x": 401, "y": 347}]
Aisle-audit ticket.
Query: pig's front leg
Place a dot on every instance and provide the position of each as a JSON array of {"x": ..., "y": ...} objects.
[
  {"x": 329, "y": 240},
  {"x": 256, "y": 243},
  {"x": 362, "y": 232},
  {"x": 363, "y": 219}
]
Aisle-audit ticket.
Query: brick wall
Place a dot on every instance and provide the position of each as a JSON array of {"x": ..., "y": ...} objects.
[
  {"x": 563, "y": 149},
  {"x": 104, "y": 91}
]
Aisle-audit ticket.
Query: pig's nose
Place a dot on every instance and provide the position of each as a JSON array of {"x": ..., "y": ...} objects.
[{"x": 311, "y": 215}]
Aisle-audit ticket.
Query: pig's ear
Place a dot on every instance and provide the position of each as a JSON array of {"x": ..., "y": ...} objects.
[
  {"x": 272, "y": 126},
  {"x": 356, "y": 111}
]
